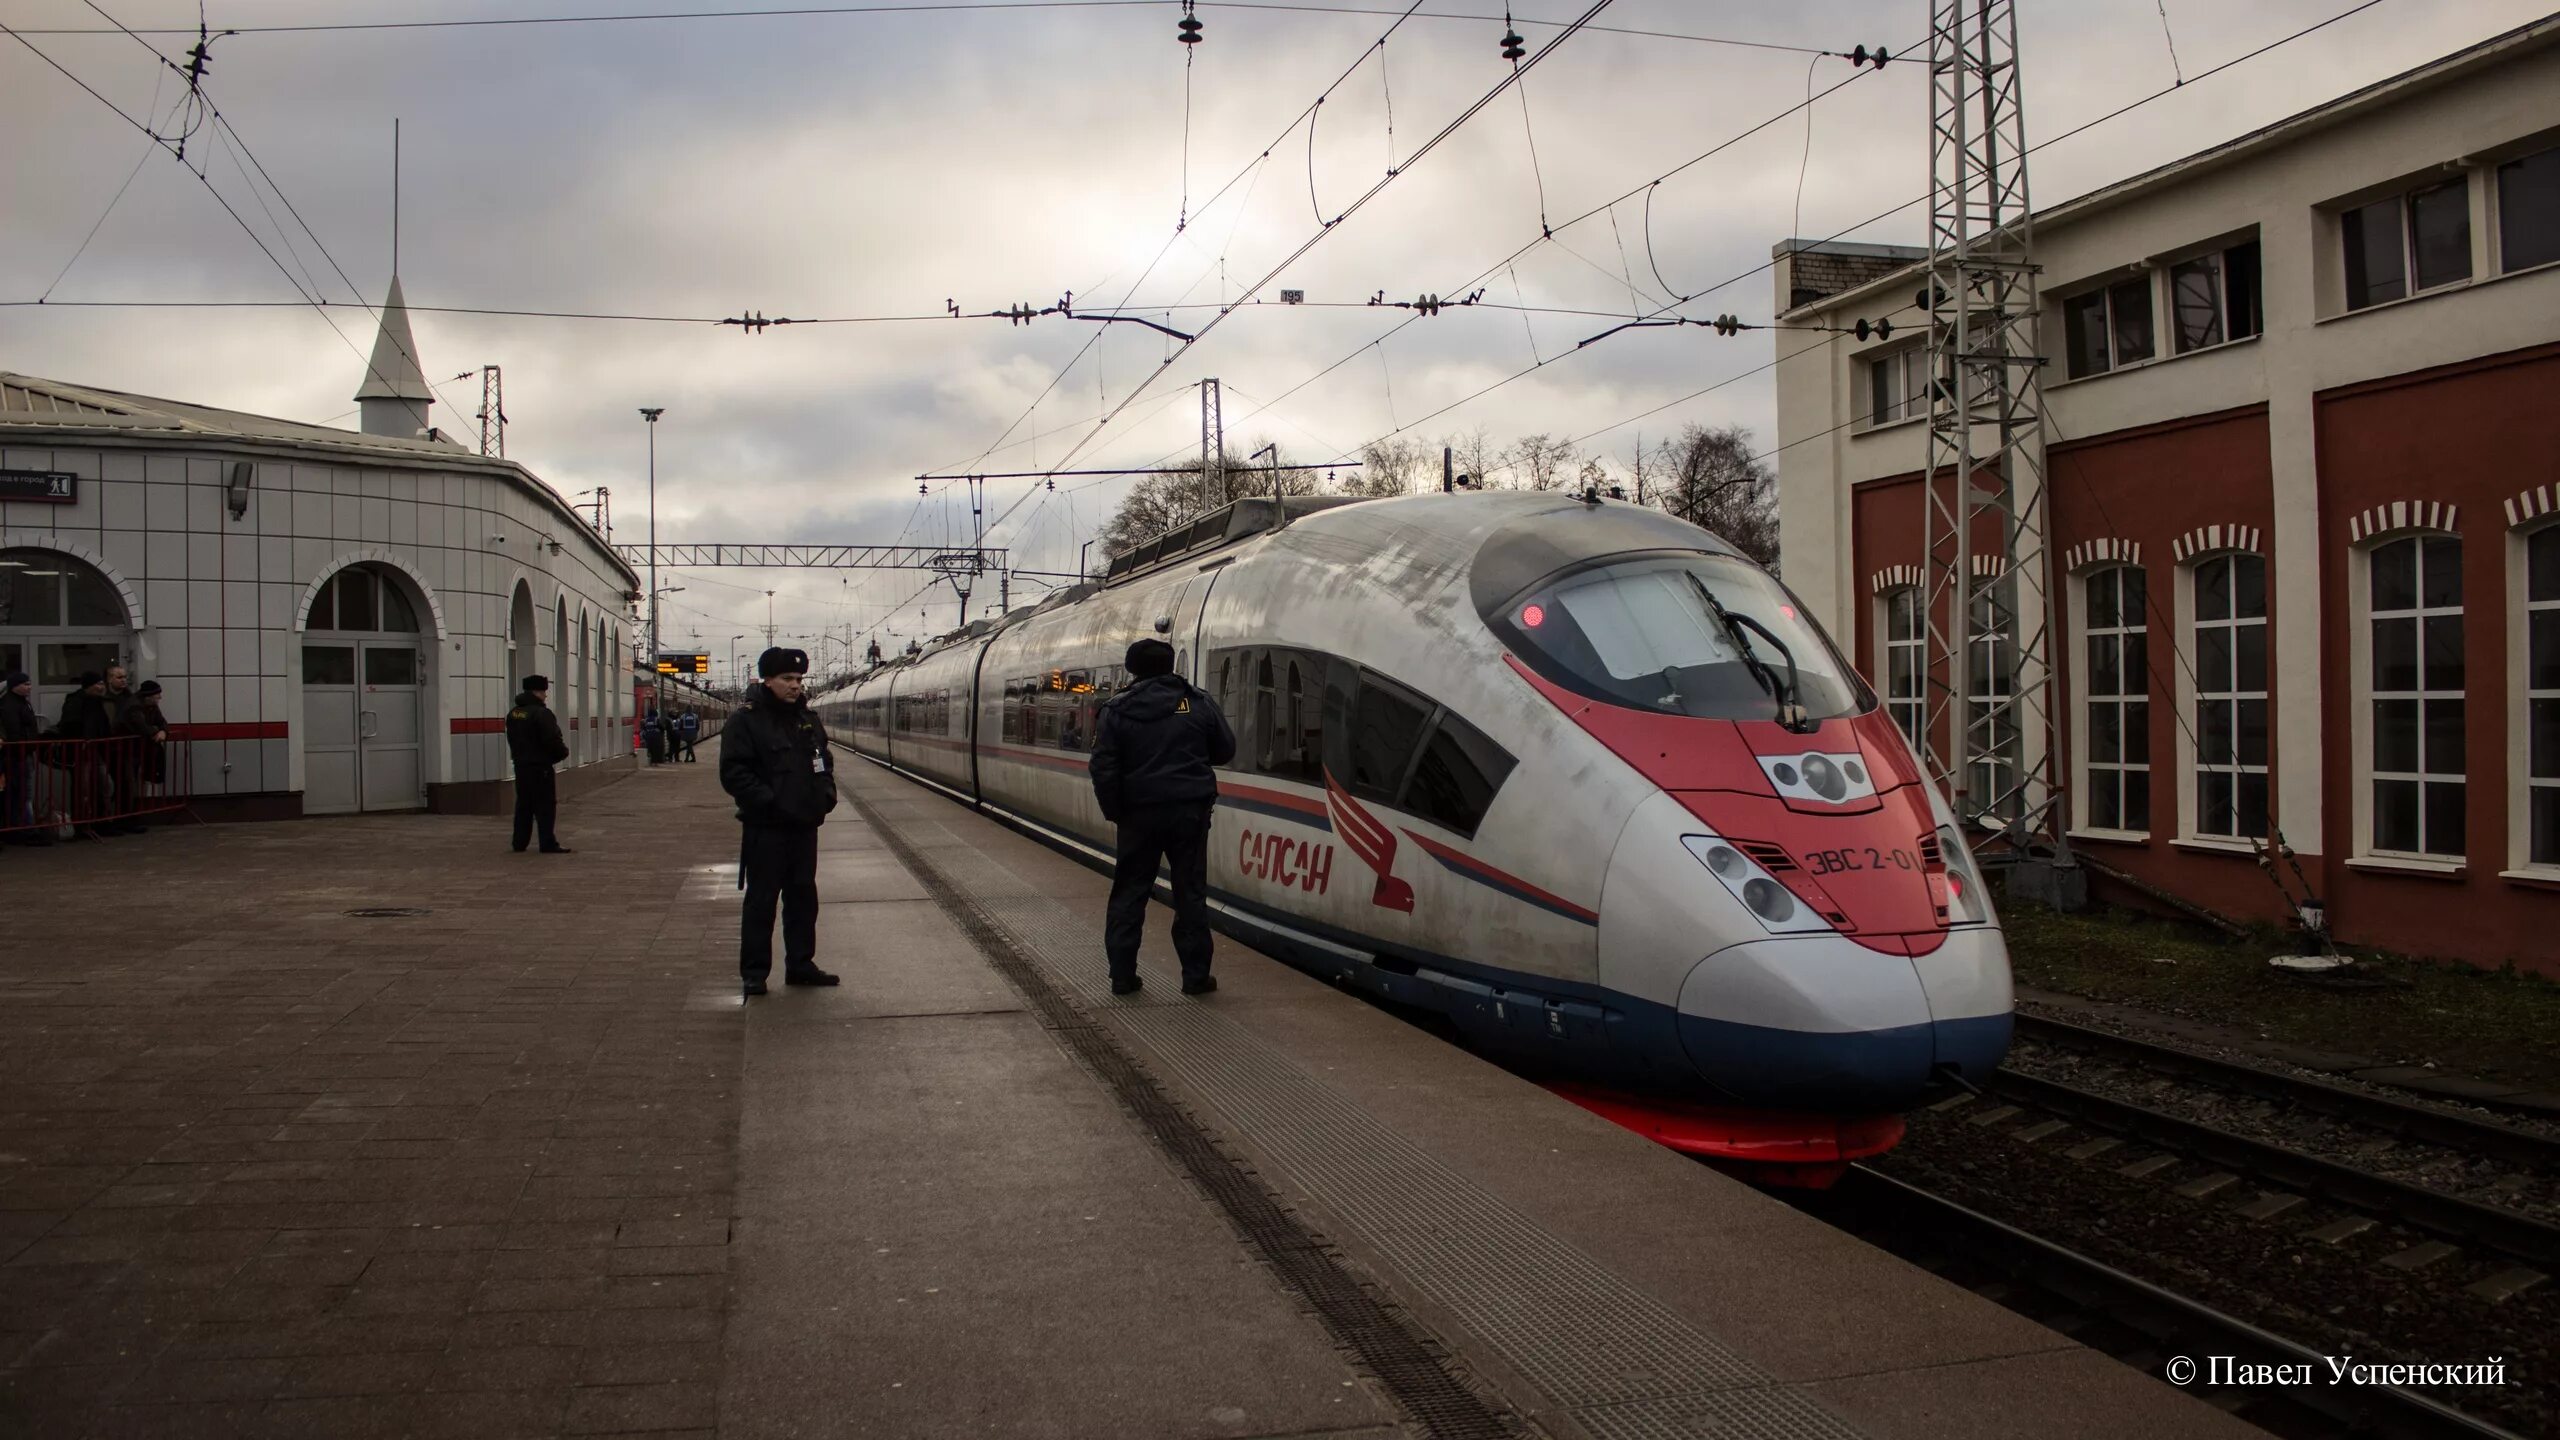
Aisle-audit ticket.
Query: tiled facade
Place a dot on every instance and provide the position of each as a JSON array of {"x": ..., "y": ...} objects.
[{"x": 217, "y": 603}]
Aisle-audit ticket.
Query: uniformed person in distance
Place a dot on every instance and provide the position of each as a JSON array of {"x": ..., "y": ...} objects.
[
  {"x": 533, "y": 738},
  {"x": 1155, "y": 753},
  {"x": 775, "y": 763}
]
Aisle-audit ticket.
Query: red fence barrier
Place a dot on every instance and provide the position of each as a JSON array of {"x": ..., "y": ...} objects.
[{"x": 46, "y": 784}]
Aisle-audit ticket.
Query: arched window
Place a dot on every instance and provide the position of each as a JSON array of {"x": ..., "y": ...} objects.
[
  {"x": 2231, "y": 730},
  {"x": 1902, "y": 635},
  {"x": 1991, "y": 713},
  {"x": 59, "y": 616},
  {"x": 2416, "y": 801},
  {"x": 2539, "y": 794},
  {"x": 362, "y": 598},
  {"x": 2115, "y": 689}
]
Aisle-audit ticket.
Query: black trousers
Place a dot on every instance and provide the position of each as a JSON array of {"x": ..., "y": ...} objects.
[
  {"x": 537, "y": 806},
  {"x": 779, "y": 863},
  {"x": 1179, "y": 836}
]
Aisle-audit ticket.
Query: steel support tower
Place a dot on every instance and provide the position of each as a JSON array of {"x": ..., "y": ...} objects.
[
  {"x": 1213, "y": 450},
  {"x": 1988, "y": 597},
  {"x": 493, "y": 414}
]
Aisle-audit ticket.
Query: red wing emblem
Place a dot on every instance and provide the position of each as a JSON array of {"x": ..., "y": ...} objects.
[{"x": 1372, "y": 841}]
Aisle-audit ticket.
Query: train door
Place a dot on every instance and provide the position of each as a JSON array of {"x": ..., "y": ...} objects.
[{"x": 1189, "y": 603}]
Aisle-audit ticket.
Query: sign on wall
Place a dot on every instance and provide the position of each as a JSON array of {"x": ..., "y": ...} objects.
[{"x": 45, "y": 487}]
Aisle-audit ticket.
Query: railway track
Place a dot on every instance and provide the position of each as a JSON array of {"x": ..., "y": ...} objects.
[
  {"x": 2451, "y": 1220},
  {"x": 2425, "y": 1123},
  {"x": 2128, "y": 1318}
]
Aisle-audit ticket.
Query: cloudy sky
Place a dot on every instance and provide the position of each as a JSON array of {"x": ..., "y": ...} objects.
[{"x": 845, "y": 166}]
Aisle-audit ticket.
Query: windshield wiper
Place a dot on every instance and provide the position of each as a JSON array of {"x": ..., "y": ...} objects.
[{"x": 1788, "y": 693}]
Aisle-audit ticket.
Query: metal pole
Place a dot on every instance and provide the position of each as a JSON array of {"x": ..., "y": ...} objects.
[
  {"x": 658, "y": 687},
  {"x": 1448, "y": 471}
]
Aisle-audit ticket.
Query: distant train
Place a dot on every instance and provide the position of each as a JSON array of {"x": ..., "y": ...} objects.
[{"x": 1570, "y": 772}]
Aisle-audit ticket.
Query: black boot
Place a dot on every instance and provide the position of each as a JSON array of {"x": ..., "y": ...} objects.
[
  {"x": 1127, "y": 984},
  {"x": 811, "y": 976}
]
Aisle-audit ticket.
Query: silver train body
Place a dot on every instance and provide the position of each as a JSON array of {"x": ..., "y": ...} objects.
[{"x": 1431, "y": 804}]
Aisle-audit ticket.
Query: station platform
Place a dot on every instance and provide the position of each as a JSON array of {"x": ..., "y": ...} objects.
[{"x": 525, "y": 1164}]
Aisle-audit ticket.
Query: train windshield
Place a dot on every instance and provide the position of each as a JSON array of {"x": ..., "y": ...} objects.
[{"x": 1690, "y": 634}]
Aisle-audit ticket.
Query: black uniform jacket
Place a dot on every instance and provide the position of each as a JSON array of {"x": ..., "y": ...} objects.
[
  {"x": 533, "y": 734},
  {"x": 775, "y": 763},
  {"x": 1158, "y": 743},
  {"x": 84, "y": 717},
  {"x": 143, "y": 720},
  {"x": 18, "y": 718}
]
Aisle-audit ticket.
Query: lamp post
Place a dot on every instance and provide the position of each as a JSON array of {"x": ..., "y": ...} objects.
[
  {"x": 737, "y": 682},
  {"x": 650, "y": 413}
]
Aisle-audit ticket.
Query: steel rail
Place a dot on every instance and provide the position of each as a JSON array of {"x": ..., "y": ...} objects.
[
  {"x": 1895, "y": 1215},
  {"x": 2488, "y": 1139},
  {"x": 2520, "y": 1237}
]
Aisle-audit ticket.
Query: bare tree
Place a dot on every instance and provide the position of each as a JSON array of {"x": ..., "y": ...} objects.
[
  {"x": 1473, "y": 453},
  {"x": 1714, "y": 479},
  {"x": 1542, "y": 461},
  {"x": 1390, "y": 467},
  {"x": 1159, "y": 502}
]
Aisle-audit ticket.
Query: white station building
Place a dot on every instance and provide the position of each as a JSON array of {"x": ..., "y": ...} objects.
[{"x": 337, "y": 620}]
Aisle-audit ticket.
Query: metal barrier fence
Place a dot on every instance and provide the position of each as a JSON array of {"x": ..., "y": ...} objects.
[{"x": 48, "y": 784}]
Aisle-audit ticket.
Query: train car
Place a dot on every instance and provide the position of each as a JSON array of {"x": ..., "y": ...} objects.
[{"x": 1572, "y": 773}]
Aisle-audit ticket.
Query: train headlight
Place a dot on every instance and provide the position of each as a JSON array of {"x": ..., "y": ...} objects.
[
  {"x": 1769, "y": 902},
  {"x": 1958, "y": 890}
]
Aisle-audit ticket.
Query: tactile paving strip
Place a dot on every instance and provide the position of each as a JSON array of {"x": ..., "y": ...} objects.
[{"x": 1628, "y": 1367}]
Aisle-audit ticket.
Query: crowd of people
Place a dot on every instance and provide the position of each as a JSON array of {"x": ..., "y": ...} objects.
[{"x": 92, "y": 792}]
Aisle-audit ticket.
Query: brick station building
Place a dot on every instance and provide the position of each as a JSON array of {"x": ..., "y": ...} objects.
[
  {"x": 2302, "y": 507},
  {"x": 338, "y": 619}
]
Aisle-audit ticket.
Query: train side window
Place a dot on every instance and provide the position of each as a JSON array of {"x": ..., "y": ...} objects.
[
  {"x": 1290, "y": 715},
  {"x": 1386, "y": 722},
  {"x": 1455, "y": 781}
]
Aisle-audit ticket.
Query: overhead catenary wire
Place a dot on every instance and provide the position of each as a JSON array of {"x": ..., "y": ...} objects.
[
  {"x": 909, "y": 7},
  {"x": 2076, "y": 130}
]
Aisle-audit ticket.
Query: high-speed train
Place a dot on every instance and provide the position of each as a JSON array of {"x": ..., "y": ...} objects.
[{"x": 1573, "y": 773}]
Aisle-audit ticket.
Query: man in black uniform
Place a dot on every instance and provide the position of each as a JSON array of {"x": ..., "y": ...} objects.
[
  {"x": 533, "y": 737},
  {"x": 1155, "y": 750},
  {"x": 774, "y": 762}
]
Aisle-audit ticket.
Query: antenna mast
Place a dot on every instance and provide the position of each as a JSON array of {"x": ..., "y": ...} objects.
[{"x": 1988, "y": 603}]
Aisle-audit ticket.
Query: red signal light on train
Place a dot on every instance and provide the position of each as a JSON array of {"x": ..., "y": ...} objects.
[{"x": 1534, "y": 616}]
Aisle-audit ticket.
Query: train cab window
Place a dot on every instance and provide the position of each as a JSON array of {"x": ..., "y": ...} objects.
[
  {"x": 1680, "y": 633},
  {"x": 1454, "y": 782},
  {"x": 1386, "y": 724}
]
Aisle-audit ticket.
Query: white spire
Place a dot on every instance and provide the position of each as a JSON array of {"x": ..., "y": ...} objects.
[{"x": 394, "y": 395}]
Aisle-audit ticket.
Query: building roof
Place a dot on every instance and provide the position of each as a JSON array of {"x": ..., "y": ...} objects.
[
  {"x": 32, "y": 408},
  {"x": 2522, "y": 40},
  {"x": 393, "y": 373}
]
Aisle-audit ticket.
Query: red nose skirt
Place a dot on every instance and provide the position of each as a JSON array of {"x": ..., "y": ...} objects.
[{"x": 1766, "y": 1147}]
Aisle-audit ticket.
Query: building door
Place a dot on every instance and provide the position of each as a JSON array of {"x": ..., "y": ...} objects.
[{"x": 363, "y": 703}]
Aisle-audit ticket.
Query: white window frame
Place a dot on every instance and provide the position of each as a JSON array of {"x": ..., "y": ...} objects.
[
  {"x": 2362, "y": 850},
  {"x": 2220, "y": 253},
  {"x": 2086, "y": 769},
  {"x": 2521, "y": 781},
  {"x": 2149, "y": 279},
  {"x": 1898, "y": 707},
  {"x": 1914, "y": 404},
  {"x": 2495, "y": 207},
  {"x": 2192, "y": 698}
]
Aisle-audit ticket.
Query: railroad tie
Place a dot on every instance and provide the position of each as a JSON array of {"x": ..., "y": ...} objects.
[
  {"x": 2421, "y": 1255},
  {"x": 1996, "y": 1114},
  {"x": 2145, "y": 1169},
  {"x": 2213, "y": 1184},
  {"x": 2506, "y": 1284},
  {"x": 2092, "y": 1149},
  {"x": 2268, "y": 1205},
  {"x": 2337, "y": 1231},
  {"x": 2042, "y": 1130}
]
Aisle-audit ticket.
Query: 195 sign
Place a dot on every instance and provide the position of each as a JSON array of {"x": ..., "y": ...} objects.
[{"x": 44, "y": 487}]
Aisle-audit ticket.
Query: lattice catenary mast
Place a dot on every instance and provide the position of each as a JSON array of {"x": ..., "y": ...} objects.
[{"x": 1988, "y": 600}]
